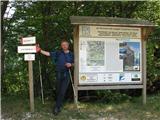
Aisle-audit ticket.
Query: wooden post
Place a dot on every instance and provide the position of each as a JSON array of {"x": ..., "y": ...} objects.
[
  {"x": 31, "y": 90},
  {"x": 76, "y": 61},
  {"x": 144, "y": 90}
]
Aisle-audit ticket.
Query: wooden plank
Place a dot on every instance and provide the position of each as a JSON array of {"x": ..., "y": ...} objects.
[
  {"x": 110, "y": 87},
  {"x": 119, "y": 25},
  {"x": 144, "y": 74},
  {"x": 31, "y": 90},
  {"x": 94, "y": 20},
  {"x": 76, "y": 60},
  {"x": 102, "y": 84},
  {"x": 144, "y": 91}
]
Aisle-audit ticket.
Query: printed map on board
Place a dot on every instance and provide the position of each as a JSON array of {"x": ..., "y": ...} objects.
[{"x": 95, "y": 53}]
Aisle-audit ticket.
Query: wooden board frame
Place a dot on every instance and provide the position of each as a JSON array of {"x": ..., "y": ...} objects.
[
  {"x": 144, "y": 81},
  {"x": 103, "y": 87},
  {"x": 76, "y": 60}
]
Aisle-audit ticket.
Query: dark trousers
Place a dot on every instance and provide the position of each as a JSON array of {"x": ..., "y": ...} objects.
[{"x": 61, "y": 87}]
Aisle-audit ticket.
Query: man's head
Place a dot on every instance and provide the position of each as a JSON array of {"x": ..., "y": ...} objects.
[{"x": 64, "y": 44}]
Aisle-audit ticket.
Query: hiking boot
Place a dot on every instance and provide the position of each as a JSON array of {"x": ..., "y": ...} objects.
[{"x": 56, "y": 111}]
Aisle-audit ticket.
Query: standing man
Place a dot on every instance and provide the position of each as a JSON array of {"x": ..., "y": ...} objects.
[{"x": 64, "y": 61}]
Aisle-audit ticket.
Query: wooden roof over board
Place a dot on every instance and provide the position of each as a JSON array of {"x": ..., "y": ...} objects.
[{"x": 95, "y": 20}]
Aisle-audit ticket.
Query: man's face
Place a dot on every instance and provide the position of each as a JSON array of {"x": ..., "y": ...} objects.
[{"x": 65, "y": 45}]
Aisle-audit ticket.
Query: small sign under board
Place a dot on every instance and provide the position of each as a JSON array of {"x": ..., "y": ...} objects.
[
  {"x": 26, "y": 49},
  {"x": 28, "y": 40},
  {"x": 29, "y": 57}
]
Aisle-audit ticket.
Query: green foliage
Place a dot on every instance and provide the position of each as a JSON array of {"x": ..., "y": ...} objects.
[
  {"x": 153, "y": 60},
  {"x": 109, "y": 96}
]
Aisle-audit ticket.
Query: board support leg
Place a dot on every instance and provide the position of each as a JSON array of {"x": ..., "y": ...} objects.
[
  {"x": 144, "y": 95},
  {"x": 76, "y": 95},
  {"x": 144, "y": 72}
]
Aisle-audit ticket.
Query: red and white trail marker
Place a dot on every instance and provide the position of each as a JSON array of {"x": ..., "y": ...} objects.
[{"x": 28, "y": 40}]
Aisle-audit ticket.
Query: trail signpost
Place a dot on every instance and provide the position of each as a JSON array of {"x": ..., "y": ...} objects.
[
  {"x": 30, "y": 58},
  {"x": 26, "y": 49},
  {"x": 110, "y": 53},
  {"x": 28, "y": 40}
]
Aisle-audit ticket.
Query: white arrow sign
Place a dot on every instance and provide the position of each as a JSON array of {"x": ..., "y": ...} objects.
[
  {"x": 29, "y": 57},
  {"x": 26, "y": 49},
  {"x": 28, "y": 40}
]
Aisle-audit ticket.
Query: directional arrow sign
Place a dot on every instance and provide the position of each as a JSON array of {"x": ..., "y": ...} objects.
[
  {"x": 26, "y": 49},
  {"x": 28, "y": 40}
]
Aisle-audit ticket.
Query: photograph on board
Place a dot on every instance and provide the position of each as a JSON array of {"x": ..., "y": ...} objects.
[{"x": 130, "y": 53}]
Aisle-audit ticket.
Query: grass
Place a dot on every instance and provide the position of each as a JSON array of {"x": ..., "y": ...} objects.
[{"x": 17, "y": 108}]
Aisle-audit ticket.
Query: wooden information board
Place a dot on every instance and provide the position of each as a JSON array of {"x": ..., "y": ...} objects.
[{"x": 110, "y": 53}]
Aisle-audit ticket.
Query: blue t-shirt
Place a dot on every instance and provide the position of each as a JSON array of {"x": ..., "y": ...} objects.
[{"x": 60, "y": 59}]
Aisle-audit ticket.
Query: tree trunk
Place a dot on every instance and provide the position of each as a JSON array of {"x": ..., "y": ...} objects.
[{"x": 3, "y": 9}]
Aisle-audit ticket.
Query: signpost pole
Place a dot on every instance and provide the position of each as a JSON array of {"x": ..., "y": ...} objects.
[{"x": 31, "y": 90}]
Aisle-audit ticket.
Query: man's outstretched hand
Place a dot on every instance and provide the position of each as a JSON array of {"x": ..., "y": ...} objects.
[
  {"x": 38, "y": 49},
  {"x": 68, "y": 65}
]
